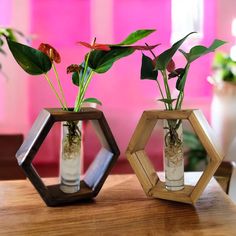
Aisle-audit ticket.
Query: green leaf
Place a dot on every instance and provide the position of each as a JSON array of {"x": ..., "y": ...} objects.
[
  {"x": 135, "y": 36},
  {"x": 77, "y": 76},
  {"x": 199, "y": 50},
  {"x": 165, "y": 57},
  {"x": 102, "y": 61},
  {"x": 176, "y": 73},
  {"x": 177, "y": 85},
  {"x": 92, "y": 100},
  {"x": 166, "y": 100},
  {"x": 147, "y": 70},
  {"x": 180, "y": 83},
  {"x": 184, "y": 53},
  {"x": 31, "y": 60}
]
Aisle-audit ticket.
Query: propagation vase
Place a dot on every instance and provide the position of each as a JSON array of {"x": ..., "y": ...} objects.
[
  {"x": 144, "y": 169},
  {"x": 71, "y": 155},
  {"x": 173, "y": 155},
  {"x": 71, "y": 189}
]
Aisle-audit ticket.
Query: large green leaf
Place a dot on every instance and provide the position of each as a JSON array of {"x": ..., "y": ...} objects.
[
  {"x": 135, "y": 36},
  {"x": 193, "y": 54},
  {"x": 147, "y": 70},
  {"x": 102, "y": 61},
  {"x": 165, "y": 57},
  {"x": 31, "y": 60},
  {"x": 199, "y": 50}
]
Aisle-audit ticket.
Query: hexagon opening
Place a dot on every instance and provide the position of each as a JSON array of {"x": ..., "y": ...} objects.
[
  {"x": 96, "y": 174},
  {"x": 144, "y": 169}
]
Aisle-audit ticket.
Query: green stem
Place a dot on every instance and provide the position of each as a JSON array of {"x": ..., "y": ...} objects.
[
  {"x": 80, "y": 96},
  {"x": 86, "y": 66},
  {"x": 180, "y": 97},
  {"x": 179, "y": 101},
  {"x": 81, "y": 86},
  {"x": 54, "y": 90},
  {"x": 87, "y": 83},
  {"x": 162, "y": 95},
  {"x": 167, "y": 88},
  {"x": 84, "y": 72},
  {"x": 59, "y": 84}
]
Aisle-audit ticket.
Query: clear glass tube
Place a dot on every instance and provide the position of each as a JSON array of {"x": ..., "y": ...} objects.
[
  {"x": 173, "y": 155},
  {"x": 70, "y": 156}
]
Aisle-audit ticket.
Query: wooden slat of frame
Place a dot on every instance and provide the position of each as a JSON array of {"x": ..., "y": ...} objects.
[
  {"x": 183, "y": 195},
  {"x": 144, "y": 170},
  {"x": 204, "y": 180},
  {"x": 157, "y": 114},
  {"x": 141, "y": 134},
  {"x": 206, "y": 135}
]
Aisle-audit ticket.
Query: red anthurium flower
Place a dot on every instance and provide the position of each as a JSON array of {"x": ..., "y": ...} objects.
[
  {"x": 50, "y": 51},
  {"x": 96, "y": 46},
  {"x": 171, "y": 66},
  {"x": 73, "y": 68}
]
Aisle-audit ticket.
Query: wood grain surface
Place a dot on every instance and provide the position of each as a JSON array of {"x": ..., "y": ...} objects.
[
  {"x": 144, "y": 169},
  {"x": 121, "y": 208}
]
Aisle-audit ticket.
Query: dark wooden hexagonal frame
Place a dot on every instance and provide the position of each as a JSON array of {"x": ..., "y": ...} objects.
[
  {"x": 98, "y": 171},
  {"x": 145, "y": 171}
]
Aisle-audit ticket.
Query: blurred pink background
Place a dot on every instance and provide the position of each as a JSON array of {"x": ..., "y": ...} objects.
[{"x": 124, "y": 96}]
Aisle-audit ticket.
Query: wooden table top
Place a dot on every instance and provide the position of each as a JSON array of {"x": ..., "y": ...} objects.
[{"x": 121, "y": 208}]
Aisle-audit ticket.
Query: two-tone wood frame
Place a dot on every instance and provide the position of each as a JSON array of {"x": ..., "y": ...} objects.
[
  {"x": 146, "y": 173},
  {"x": 96, "y": 174}
]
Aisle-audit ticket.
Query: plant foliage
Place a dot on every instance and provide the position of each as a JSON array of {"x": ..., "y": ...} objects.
[
  {"x": 11, "y": 34},
  {"x": 32, "y": 61},
  {"x": 99, "y": 59},
  {"x": 164, "y": 64}
]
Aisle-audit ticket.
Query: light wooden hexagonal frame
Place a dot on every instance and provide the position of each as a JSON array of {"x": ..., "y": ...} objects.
[{"x": 144, "y": 169}]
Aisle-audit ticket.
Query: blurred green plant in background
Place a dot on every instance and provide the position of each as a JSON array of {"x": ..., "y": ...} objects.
[
  {"x": 224, "y": 68},
  {"x": 195, "y": 153},
  {"x": 12, "y": 34}
]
